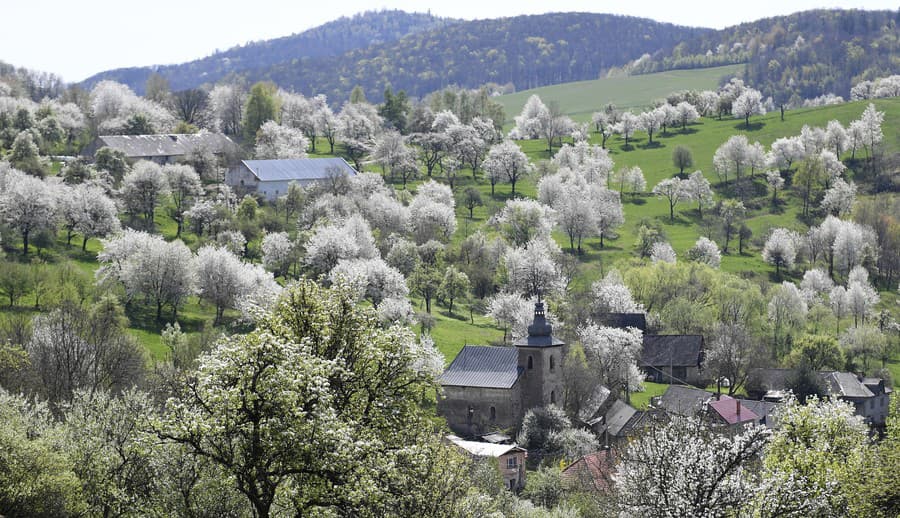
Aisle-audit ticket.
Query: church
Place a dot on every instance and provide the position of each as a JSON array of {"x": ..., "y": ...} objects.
[{"x": 489, "y": 388}]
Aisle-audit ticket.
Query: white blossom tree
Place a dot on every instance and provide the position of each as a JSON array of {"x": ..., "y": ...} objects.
[
  {"x": 839, "y": 199},
  {"x": 611, "y": 295},
  {"x": 686, "y": 114},
  {"x": 274, "y": 141},
  {"x": 662, "y": 251},
  {"x": 522, "y": 220},
  {"x": 780, "y": 249},
  {"x": 27, "y": 205},
  {"x": 627, "y": 125},
  {"x": 371, "y": 279},
  {"x": 747, "y": 104},
  {"x": 836, "y": 137},
  {"x": 506, "y": 161},
  {"x": 785, "y": 151},
  {"x": 142, "y": 190},
  {"x": 705, "y": 251},
  {"x": 184, "y": 188},
  {"x": 148, "y": 266},
  {"x": 222, "y": 279},
  {"x": 613, "y": 354},
  {"x": 775, "y": 182},
  {"x": 278, "y": 253},
  {"x": 532, "y": 270},
  {"x": 815, "y": 285},
  {"x": 697, "y": 188},
  {"x": 671, "y": 189}
]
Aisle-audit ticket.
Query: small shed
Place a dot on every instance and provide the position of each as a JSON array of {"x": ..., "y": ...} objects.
[{"x": 271, "y": 178}]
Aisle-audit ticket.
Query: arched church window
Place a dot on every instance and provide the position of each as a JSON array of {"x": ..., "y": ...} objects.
[
  {"x": 552, "y": 364},
  {"x": 493, "y": 413},
  {"x": 530, "y": 362},
  {"x": 552, "y": 397}
]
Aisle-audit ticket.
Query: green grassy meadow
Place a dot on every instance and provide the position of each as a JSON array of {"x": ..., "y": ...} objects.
[{"x": 580, "y": 99}]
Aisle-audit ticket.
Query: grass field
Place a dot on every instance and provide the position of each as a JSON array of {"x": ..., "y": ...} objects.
[{"x": 580, "y": 99}]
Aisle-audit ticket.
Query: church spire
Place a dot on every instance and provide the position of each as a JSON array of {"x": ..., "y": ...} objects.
[{"x": 540, "y": 326}]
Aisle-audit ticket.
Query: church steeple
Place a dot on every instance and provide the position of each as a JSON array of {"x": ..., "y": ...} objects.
[
  {"x": 539, "y": 326},
  {"x": 540, "y": 332}
]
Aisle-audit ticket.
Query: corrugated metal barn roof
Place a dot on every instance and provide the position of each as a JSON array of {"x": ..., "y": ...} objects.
[
  {"x": 297, "y": 168},
  {"x": 483, "y": 366}
]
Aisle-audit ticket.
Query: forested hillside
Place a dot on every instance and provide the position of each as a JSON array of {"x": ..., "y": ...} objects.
[
  {"x": 796, "y": 57},
  {"x": 327, "y": 40},
  {"x": 527, "y": 51}
]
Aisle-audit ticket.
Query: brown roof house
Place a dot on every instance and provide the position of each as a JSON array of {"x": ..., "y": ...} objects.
[
  {"x": 593, "y": 472},
  {"x": 673, "y": 359},
  {"x": 490, "y": 388},
  {"x": 510, "y": 459}
]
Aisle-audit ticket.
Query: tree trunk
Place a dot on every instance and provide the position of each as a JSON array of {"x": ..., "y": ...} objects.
[
  {"x": 25, "y": 243},
  {"x": 513, "y": 187},
  {"x": 493, "y": 183},
  {"x": 84, "y": 244},
  {"x": 428, "y": 304},
  {"x": 159, "y": 310}
]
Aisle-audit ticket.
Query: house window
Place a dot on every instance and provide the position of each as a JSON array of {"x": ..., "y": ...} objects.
[
  {"x": 530, "y": 363},
  {"x": 512, "y": 463},
  {"x": 493, "y": 413},
  {"x": 552, "y": 397},
  {"x": 551, "y": 362}
]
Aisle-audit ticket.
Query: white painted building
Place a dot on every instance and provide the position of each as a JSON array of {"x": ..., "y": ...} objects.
[{"x": 271, "y": 178}]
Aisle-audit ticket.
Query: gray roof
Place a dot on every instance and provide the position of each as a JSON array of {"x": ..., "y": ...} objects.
[
  {"x": 674, "y": 350},
  {"x": 596, "y": 402},
  {"x": 174, "y": 144},
  {"x": 623, "y": 320},
  {"x": 760, "y": 408},
  {"x": 483, "y": 366},
  {"x": 845, "y": 384},
  {"x": 297, "y": 168},
  {"x": 618, "y": 416},
  {"x": 540, "y": 332},
  {"x": 681, "y": 400}
]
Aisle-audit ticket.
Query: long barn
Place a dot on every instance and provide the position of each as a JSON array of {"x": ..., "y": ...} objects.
[{"x": 271, "y": 178}]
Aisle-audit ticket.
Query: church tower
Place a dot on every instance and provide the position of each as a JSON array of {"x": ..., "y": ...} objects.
[{"x": 540, "y": 361}]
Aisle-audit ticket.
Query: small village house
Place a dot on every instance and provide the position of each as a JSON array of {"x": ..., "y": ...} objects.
[{"x": 510, "y": 459}]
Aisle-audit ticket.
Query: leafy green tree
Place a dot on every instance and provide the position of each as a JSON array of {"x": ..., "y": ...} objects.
[
  {"x": 319, "y": 407},
  {"x": 821, "y": 444},
  {"x": 472, "y": 199},
  {"x": 819, "y": 352},
  {"x": 394, "y": 109},
  {"x": 425, "y": 281},
  {"x": 682, "y": 158},
  {"x": 454, "y": 286},
  {"x": 261, "y": 106},
  {"x": 112, "y": 161},
  {"x": 36, "y": 478}
]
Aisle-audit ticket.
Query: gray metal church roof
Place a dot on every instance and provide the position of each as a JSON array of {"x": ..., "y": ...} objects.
[
  {"x": 483, "y": 366},
  {"x": 297, "y": 168}
]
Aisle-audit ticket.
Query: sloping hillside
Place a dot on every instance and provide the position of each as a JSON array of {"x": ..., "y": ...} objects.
[
  {"x": 327, "y": 40},
  {"x": 795, "y": 57},
  {"x": 527, "y": 51}
]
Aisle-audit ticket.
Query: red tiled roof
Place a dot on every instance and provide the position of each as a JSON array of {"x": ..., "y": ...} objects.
[
  {"x": 599, "y": 466},
  {"x": 728, "y": 411}
]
